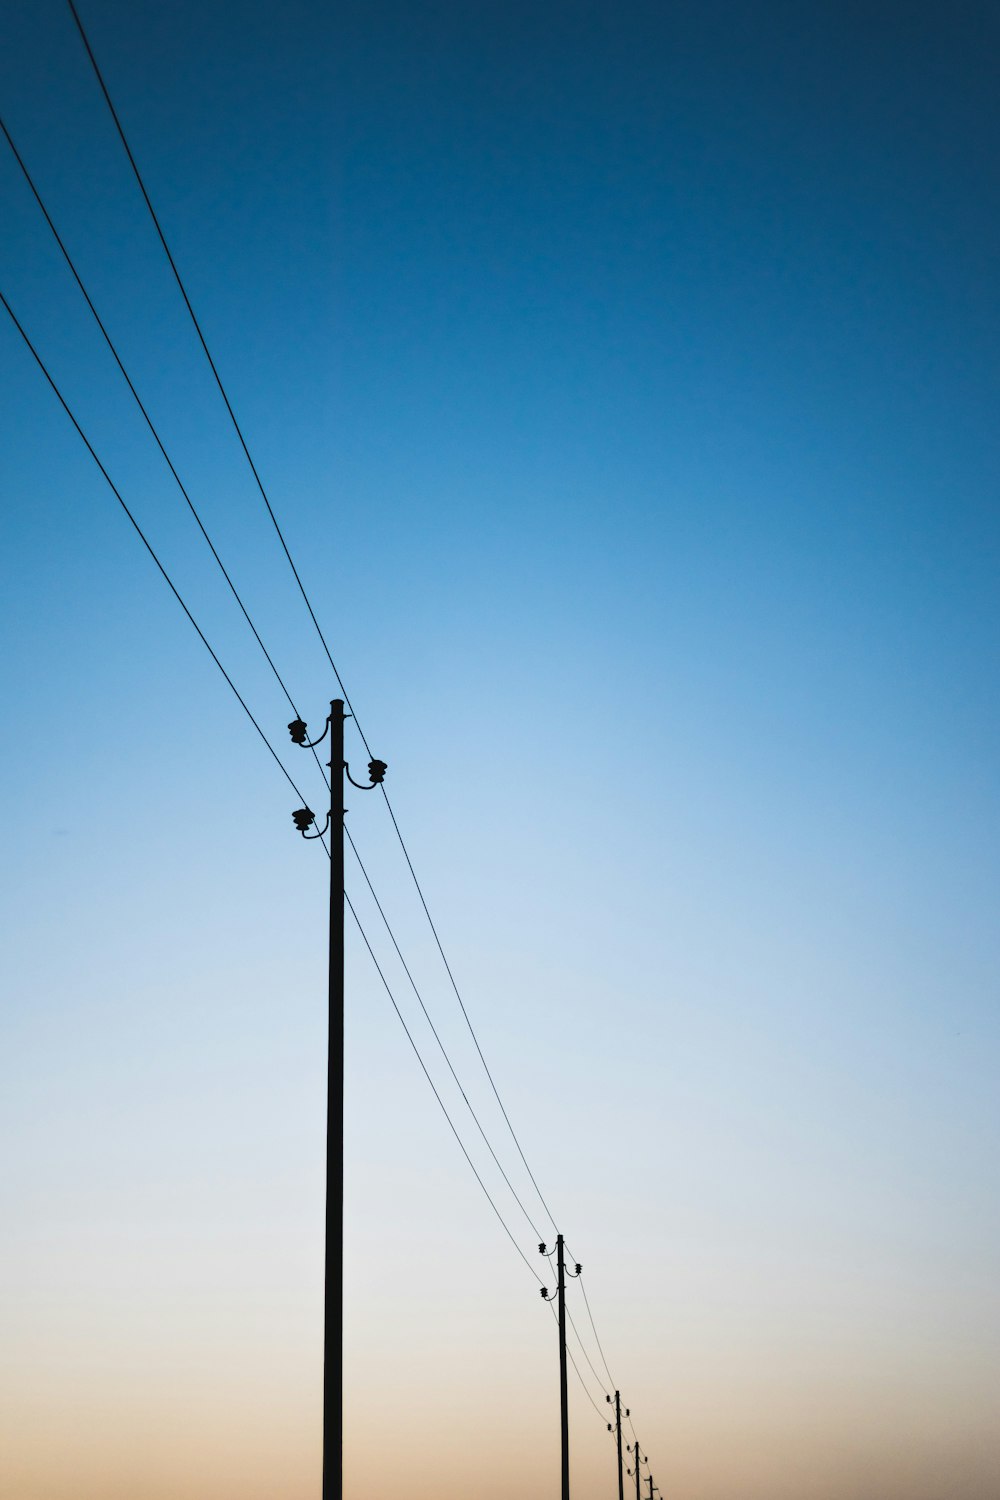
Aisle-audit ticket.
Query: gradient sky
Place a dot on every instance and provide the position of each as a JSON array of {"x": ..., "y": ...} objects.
[{"x": 625, "y": 378}]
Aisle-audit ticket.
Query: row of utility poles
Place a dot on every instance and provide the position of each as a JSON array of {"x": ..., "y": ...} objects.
[
  {"x": 559, "y": 1297},
  {"x": 333, "y": 1320}
]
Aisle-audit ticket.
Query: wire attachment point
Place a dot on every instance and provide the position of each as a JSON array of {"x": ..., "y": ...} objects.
[{"x": 376, "y": 774}]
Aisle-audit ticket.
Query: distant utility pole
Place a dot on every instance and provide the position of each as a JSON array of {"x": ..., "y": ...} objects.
[
  {"x": 618, "y": 1436},
  {"x": 637, "y": 1460},
  {"x": 653, "y": 1488},
  {"x": 560, "y": 1294},
  {"x": 333, "y": 1316}
]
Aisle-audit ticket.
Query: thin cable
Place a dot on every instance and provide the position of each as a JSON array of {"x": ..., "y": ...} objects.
[
  {"x": 406, "y": 969},
  {"x": 204, "y": 345},
  {"x": 156, "y": 436},
  {"x": 295, "y": 572},
  {"x": 146, "y": 543},
  {"x": 593, "y": 1325},
  {"x": 586, "y": 1388},
  {"x": 437, "y": 1096},
  {"x": 465, "y": 1013},
  {"x": 147, "y": 418},
  {"x": 586, "y": 1356}
]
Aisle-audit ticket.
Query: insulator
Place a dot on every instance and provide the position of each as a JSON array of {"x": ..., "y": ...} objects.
[
  {"x": 541, "y": 1248},
  {"x": 544, "y": 1291},
  {"x": 304, "y": 818},
  {"x": 578, "y": 1269},
  {"x": 297, "y": 730},
  {"x": 376, "y": 771}
]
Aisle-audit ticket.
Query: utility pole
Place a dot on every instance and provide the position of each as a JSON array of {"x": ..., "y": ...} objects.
[
  {"x": 653, "y": 1487},
  {"x": 560, "y": 1294},
  {"x": 637, "y": 1460},
  {"x": 333, "y": 1296},
  {"x": 618, "y": 1436}
]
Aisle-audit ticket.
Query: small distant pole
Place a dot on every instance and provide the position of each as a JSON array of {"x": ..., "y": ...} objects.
[
  {"x": 653, "y": 1488},
  {"x": 560, "y": 1295},
  {"x": 637, "y": 1460},
  {"x": 618, "y": 1438}
]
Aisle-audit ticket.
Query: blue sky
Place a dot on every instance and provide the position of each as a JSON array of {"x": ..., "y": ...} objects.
[{"x": 625, "y": 382}]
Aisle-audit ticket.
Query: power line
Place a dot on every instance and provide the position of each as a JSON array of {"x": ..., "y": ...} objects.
[
  {"x": 312, "y": 614},
  {"x": 138, "y": 401},
  {"x": 149, "y": 423},
  {"x": 204, "y": 345},
  {"x": 583, "y": 1346},
  {"x": 146, "y": 543},
  {"x": 576, "y": 1367},
  {"x": 444, "y": 1109},
  {"x": 406, "y": 968},
  {"x": 593, "y": 1325},
  {"x": 465, "y": 1013}
]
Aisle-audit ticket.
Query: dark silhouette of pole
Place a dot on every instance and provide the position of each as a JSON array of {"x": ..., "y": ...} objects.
[
  {"x": 653, "y": 1487},
  {"x": 637, "y": 1460},
  {"x": 560, "y": 1296},
  {"x": 618, "y": 1438},
  {"x": 563, "y": 1388},
  {"x": 333, "y": 1315},
  {"x": 333, "y": 1291}
]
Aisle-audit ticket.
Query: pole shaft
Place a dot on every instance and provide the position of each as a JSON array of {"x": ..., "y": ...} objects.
[
  {"x": 638, "y": 1460},
  {"x": 618, "y": 1434},
  {"x": 563, "y": 1391},
  {"x": 333, "y": 1320}
]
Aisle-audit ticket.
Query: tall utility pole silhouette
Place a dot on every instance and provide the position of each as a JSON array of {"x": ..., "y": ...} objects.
[
  {"x": 618, "y": 1436},
  {"x": 653, "y": 1487},
  {"x": 333, "y": 1312},
  {"x": 560, "y": 1294}
]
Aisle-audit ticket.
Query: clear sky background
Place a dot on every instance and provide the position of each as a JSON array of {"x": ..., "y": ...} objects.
[{"x": 625, "y": 378}]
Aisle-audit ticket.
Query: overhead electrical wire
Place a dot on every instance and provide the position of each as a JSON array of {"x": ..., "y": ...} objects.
[
  {"x": 586, "y": 1356},
  {"x": 147, "y": 544},
  {"x": 201, "y": 336},
  {"x": 465, "y": 1013},
  {"x": 148, "y": 420},
  {"x": 444, "y": 1109},
  {"x": 312, "y": 614},
  {"x": 406, "y": 969},
  {"x": 576, "y": 1367},
  {"x": 593, "y": 1325},
  {"x": 138, "y": 401}
]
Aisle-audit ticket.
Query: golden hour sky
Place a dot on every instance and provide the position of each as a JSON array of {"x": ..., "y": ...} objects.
[{"x": 624, "y": 379}]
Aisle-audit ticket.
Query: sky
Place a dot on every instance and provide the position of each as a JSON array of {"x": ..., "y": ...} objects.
[{"x": 624, "y": 380}]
